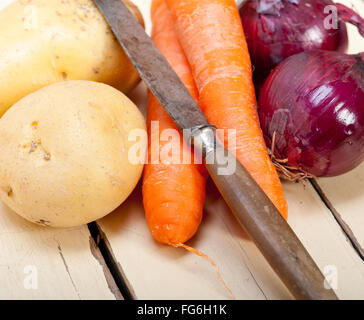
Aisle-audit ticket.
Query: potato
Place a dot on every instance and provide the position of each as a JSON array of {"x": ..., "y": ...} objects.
[
  {"x": 47, "y": 41},
  {"x": 64, "y": 153}
]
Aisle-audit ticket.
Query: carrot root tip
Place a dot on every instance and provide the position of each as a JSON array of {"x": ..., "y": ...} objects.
[{"x": 208, "y": 259}]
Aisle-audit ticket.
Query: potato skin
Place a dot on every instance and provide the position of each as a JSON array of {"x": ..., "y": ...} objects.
[
  {"x": 46, "y": 41},
  {"x": 64, "y": 153}
]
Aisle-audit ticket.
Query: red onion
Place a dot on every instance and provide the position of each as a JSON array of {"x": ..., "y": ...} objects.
[
  {"x": 277, "y": 29},
  {"x": 311, "y": 110}
]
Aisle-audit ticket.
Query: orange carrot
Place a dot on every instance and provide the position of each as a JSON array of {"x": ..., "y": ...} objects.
[
  {"x": 211, "y": 34},
  {"x": 173, "y": 194}
]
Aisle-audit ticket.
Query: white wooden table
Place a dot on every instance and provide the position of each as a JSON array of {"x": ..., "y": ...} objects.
[{"x": 43, "y": 263}]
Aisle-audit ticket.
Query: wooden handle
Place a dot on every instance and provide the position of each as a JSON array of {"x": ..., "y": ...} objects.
[{"x": 267, "y": 228}]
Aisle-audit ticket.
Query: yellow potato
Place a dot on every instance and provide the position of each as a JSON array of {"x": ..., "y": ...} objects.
[
  {"x": 46, "y": 41},
  {"x": 64, "y": 153}
]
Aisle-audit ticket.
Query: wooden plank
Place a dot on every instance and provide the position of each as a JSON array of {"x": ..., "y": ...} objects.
[
  {"x": 345, "y": 197},
  {"x": 159, "y": 272},
  {"x": 154, "y": 271},
  {"x": 315, "y": 225},
  {"x": 345, "y": 194},
  {"x": 43, "y": 263}
]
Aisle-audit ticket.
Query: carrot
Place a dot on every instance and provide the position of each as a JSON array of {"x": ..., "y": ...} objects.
[
  {"x": 173, "y": 194},
  {"x": 211, "y": 34}
]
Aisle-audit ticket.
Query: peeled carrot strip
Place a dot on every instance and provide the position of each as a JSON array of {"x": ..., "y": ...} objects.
[
  {"x": 173, "y": 194},
  {"x": 211, "y": 34}
]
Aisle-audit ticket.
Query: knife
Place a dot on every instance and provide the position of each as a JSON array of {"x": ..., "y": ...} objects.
[{"x": 248, "y": 202}]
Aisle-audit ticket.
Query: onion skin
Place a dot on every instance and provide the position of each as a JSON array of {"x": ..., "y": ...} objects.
[
  {"x": 314, "y": 104},
  {"x": 291, "y": 27}
]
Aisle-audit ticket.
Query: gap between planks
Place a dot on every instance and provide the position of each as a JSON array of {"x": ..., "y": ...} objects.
[
  {"x": 112, "y": 266},
  {"x": 343, "y": 225},
  {"x": 100, "y": 257}
]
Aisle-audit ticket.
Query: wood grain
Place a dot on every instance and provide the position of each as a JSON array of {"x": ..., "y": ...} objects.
[
  {"x": 159, "y": 272},
  {"x": 344, "y": 196},
  {"x": 63, "y": 259},
  {"x": 315, "y": 225},
  {"x": 155, "y": 271},
  {"x": 69, "y": 267},
  {"x": 65, "y": 262}
]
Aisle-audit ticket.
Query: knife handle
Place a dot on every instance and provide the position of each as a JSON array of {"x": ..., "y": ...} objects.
[{"x": 263, "y": 222}]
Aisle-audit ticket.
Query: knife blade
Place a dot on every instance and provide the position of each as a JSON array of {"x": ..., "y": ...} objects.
[{"x": 248, "y": 202}]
